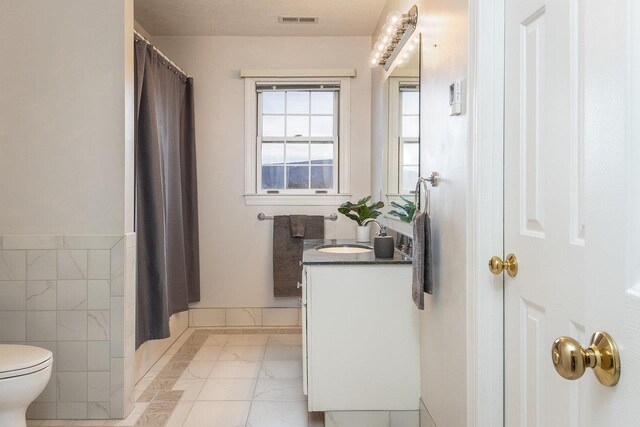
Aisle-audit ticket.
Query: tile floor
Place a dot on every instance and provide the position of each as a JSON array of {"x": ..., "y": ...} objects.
[{"x": 217, "y": 377}]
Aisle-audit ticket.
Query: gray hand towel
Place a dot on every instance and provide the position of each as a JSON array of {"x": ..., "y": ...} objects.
[
  {"x": 287, "y": 252},
  {"x": 422, "y": 264},
  {"x": 298, "y": 225}
]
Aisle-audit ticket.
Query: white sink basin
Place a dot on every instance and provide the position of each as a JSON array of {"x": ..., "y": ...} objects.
[{"x": 344, "y": 249}]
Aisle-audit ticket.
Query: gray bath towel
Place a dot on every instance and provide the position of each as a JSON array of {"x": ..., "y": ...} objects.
[
  {"x": 287, "y": 251},
  {"x": 422, "y": 264}
]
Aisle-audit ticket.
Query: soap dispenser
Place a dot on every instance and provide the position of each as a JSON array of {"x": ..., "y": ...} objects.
[{"x": 383, "y": 246}]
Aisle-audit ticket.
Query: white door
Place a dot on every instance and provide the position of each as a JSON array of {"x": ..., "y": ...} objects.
[
  {"x": 565, "y": 220},
  {"x": 612, "y": 202}
]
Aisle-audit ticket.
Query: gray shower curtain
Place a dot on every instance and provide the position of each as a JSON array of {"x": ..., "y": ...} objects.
[{"x": 168, "y": 270}]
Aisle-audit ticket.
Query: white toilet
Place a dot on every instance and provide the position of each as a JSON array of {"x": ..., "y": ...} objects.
[{"x": 24, "y": 373}]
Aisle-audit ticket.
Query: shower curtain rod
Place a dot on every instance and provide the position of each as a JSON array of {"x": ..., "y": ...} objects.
[{"x": 165, "y": 57}]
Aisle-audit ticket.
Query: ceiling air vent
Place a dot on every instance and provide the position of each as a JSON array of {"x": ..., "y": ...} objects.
[{"x": 298, "y": 19}]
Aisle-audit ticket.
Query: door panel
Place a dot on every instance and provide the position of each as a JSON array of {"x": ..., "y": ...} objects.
[
  {"x": 532, "y": 322},
  {"x": 546, "y": 299},
  {"x": 576, "y": 417},
  {"x": 576, "y": 123},
  {"x": 532, "y": 66},
  {"x": 572, "y": 205},
  {"x": 612, "y": 202}
]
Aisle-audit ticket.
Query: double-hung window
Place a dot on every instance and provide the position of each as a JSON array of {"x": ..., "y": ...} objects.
[
  {"x": 298, "y": 138},
  {"x": 409, "y": 136},
  {"x": 403, "y": 149}
]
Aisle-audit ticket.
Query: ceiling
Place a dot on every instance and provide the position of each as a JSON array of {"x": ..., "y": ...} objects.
[{"x": 257, "y": 17}]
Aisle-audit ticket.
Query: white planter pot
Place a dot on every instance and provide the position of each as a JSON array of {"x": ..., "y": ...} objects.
[{"x": 362, "y": 233}]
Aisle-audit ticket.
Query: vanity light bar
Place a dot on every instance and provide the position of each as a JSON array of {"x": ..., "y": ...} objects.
[{"x": 395, "y": 33}]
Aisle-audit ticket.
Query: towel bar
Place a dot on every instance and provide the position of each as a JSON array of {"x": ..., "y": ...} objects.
[{"x": 263, "y": 217}]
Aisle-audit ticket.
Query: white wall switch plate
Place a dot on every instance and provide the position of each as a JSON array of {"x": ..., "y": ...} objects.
[{"x": 456, "y": 96}]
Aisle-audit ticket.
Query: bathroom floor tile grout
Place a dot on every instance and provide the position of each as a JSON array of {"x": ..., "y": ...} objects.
[
  {"x": 253, "y": 393},
  {"x": 203, "y": 335},
  {"x": 159, "y": 395}
]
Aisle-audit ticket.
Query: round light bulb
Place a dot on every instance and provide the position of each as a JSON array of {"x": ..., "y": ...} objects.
[
  {"x": 389, "y": 29},
  {"x": 384, "y": 40},
  {"x": 373, "y": 61},
  {"x": 394, "y": 17},
  {"x": 379, "y": 46}
]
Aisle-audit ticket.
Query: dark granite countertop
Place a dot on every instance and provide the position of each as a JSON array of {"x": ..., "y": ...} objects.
[{"x": 311, "y": 256}]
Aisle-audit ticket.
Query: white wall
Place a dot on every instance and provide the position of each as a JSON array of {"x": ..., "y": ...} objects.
[
  {"x": 235, "y": 248},
  {"x": 66, "y": 66},
  {"x": 445, "y": 149},
  {"x": 66, "y": 188}
]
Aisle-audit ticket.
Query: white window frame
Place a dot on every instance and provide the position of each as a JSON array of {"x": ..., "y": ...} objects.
[
  {"x": 395, "y": 151},
  {"x": 254, "y": 195},
  {"x": 335, "y": 139},
  {"x": 401, "y": 184}
]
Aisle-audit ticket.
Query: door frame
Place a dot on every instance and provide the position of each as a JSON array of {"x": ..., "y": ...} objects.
[{"x": 485, "y": 292}]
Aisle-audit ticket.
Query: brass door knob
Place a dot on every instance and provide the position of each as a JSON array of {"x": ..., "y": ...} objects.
[
  {"x": 571, "y": 360},
  {"x": 497, "y": 265}
]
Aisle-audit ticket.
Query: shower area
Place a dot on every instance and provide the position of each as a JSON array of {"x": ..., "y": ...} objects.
[
  {"x": 166, "y": 203},
  {"x": 99, "y": 192}
]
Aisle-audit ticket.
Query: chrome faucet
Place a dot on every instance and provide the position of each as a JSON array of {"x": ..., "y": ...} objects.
[{"x": 382, "y": 227}]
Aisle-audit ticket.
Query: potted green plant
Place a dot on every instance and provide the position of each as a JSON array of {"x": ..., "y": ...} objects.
[
  {"x": 359, "y": 212},
  {"x": 405, "y": 212}
]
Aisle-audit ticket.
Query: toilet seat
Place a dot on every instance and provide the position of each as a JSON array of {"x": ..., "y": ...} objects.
[{"x": 18, "y": 360}]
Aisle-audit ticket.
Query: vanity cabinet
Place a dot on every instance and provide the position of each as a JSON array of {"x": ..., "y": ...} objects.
[{"x": 361, "y": 343}]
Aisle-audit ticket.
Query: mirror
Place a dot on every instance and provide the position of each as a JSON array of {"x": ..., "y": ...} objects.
[{"x": 402, "y": 110}]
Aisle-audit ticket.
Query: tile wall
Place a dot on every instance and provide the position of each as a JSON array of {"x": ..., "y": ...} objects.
[{"x": 74, "y": 295}]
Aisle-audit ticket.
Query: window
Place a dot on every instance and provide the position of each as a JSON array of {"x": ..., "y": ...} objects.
[
  {"x": 297, "y": 136},
  {"x": 409, "y": 136},
  {"x": 402, "y": 150}
]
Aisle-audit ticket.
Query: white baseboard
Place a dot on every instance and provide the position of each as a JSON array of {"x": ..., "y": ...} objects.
[
  {"x": 245, "y": 317},
  {"x": 370, "y": 418}
]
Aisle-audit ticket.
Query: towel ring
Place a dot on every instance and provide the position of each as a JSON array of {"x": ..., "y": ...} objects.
[
  {"x": 434, "y": 180},
  {"x": 416, "y": 193}
]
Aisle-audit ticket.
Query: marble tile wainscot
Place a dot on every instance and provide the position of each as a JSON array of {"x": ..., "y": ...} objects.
[
  {"x": 245, "y": 317},
  {"x": 74, "y": 295}
]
